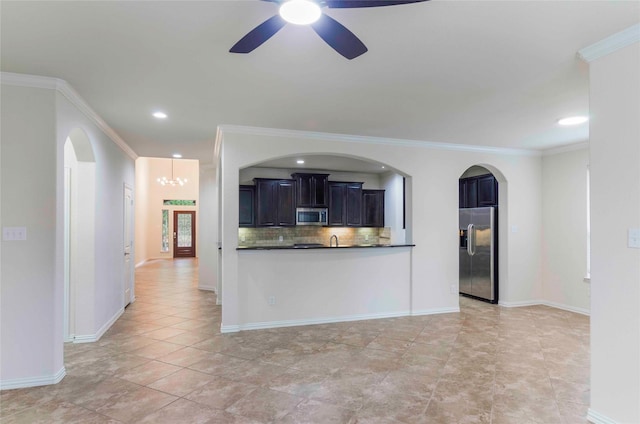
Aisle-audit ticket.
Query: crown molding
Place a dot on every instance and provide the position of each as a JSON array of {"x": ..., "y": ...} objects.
[
  {"x": 35, "y": 81},
  {"x": 311, "y": 135},
  {"x": 564, "y": 149},
  {"x": 610, "y": 44}
]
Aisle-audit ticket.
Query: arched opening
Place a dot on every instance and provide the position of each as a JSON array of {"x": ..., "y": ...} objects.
[
  {"x": 482, "y": 215},
  {"x": 340, "y": 169},
  {"x": 393, "y": 184},
  {"x": 79, "y": 235}
]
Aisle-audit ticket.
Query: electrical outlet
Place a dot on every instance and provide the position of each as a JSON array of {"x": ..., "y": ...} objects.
[
  {"x": 280, "y": 239},
  {"x": 453, "y": 289},
  {"x": 14, "y": 233},
  {"x": 272, "y": 300},
  {"x": 366, "y": 237}
]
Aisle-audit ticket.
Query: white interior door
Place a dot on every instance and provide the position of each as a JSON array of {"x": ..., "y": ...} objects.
[{"x": 128, "y": 243}]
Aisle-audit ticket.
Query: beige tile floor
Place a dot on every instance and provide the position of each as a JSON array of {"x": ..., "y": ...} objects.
[{"x": 165, "y": 361}]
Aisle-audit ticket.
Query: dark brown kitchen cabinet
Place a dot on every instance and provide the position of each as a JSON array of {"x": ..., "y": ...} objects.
[
  {"x": 312, "y": 190},
  {"x": 487, "y": 191},
  {"x": 479, "y": 191},
  {"x": 275, "y": 202},
  {"x": 247, "y": 216},
  {"x": 468, "y": 192},
  {"x": 345, "y": 204},
  {"x": 373, "y": 208}
]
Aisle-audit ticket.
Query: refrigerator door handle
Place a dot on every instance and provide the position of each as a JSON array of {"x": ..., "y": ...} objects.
[{"x": 471, "y": 240}]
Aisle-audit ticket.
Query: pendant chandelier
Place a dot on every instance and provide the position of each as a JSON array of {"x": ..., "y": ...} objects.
[{"x": 174, "y": 181}]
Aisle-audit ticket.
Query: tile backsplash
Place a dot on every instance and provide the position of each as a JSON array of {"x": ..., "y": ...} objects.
[{"x": 269, "y": 236}]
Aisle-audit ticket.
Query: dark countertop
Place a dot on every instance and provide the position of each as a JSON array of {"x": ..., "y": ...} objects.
[{"x": 313, "y": 246}]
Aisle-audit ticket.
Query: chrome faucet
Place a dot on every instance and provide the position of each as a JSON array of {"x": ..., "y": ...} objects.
[{"x": 331, "y": 240}]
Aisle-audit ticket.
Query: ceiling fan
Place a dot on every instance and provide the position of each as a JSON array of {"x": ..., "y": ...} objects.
[{"x": 309, "y": 13}]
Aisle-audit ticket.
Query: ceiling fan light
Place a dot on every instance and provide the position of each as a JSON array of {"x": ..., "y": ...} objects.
[{"x": 300, "y": 12}]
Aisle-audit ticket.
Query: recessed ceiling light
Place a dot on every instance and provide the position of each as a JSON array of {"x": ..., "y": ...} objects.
[
  {"x": 300, "y": 12},
  {"x": 160, "y": 115},
  {"x": 573, "y": 120},
  {"x": 383, "y": 167},
  {"x": 177, "y": 155},
  {"x": 299, "y": 161}
]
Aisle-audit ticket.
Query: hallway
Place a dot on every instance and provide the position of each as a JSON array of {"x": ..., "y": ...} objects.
[{"x": 165, "y": 361}]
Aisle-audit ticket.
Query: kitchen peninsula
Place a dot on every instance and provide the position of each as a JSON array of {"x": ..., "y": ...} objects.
[
  {"x": 284, "y": 286},
  {"x": 353, "y": 266}
]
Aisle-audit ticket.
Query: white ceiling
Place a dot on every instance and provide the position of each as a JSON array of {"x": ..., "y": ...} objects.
[
  {"x": 323, "y": 163},
  {"x": 488, "y": 73}
]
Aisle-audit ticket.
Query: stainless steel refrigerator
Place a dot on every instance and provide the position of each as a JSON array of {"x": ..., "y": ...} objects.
[{"x": 479, "y": 253}]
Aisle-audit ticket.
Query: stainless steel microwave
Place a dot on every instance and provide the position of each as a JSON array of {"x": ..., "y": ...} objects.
[{"x": 311, "y": 216}]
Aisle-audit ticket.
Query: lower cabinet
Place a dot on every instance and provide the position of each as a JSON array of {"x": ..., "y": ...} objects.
[
  {"x": 373, "y": 208},
  {"x": 345, "y": 204},
  {"x": 275, "y": 202}
]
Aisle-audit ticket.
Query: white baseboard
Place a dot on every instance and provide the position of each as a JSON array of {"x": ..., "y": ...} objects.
[
  {"x": 20, "y": 383},
  {"x": 569, "y": 308},
  {"x": 296, "y": 323},
  {"x": 564, "y": 307},
  {"x": 597, "y": 418},
  {"x": 208, "y": 288},
  {"x": 139, "y": 264},
  {"x": 435, "y": 311},
  {"x": 520, "y": 303},
  {"x": 90, "y": 338}
]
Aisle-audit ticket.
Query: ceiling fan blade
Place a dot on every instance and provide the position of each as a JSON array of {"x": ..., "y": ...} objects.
[
  {"x": 259, "y": 35},
  {"x": 338, "y": 37},
  {"x": 344, "y": 4}
]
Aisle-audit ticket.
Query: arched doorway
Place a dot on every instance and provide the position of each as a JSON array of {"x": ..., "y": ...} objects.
[
  {"x": 479, "y": 233},
  {"x": 79, "y": 235}
]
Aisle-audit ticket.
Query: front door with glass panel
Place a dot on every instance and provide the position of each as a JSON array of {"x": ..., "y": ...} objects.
[{"x": 184, "y": 234}]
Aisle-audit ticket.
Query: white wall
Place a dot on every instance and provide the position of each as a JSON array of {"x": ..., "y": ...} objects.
[
  {"x": 113, "y": 169},
  {"x": 434, "y": 197},
  {"x": 393, "y": 206},
  {"x": 615, "y": 207},
  {"x": 30, "y": 318},
  {"x": 564, "y": 241},
  {"x": 142, "y": 211},
  {"x": 208, "y": 230},
  {"x": 149, "y": 204},
  {"x": 35, "y": 124}
]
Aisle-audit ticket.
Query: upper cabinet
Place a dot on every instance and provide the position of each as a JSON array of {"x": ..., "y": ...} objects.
[
  {"x": 373, "y": 208},
  {"x": 275, "y": 202},
  {"x": 345, "y": 204},
  {"x": 468, "y": 193},
  {"x": 247, "y": 206},
  {"x": 487, "y": 191},
  {"x": 478, "y": 191},
  {"x": 312, "y": 190},
  {"x": 272, "y": 202}
]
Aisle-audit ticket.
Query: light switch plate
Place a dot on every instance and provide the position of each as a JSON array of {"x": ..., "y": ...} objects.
[
  {"x": 634, "y": 238},
  {"x": 14, "y": 233}
]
